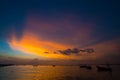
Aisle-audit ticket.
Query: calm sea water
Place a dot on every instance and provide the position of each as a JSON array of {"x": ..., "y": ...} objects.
[{"x": 56, "y": 73}]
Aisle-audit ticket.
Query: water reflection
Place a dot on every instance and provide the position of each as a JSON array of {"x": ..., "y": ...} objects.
[{"x": 28, "y": 72}]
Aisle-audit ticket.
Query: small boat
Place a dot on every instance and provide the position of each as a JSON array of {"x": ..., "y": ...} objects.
[
  {"x": 100, "y": 68},
  {"x": 86, "y": 66},
  {"x": 53, "y": 65},
  {"x": 35, "y": 65}
]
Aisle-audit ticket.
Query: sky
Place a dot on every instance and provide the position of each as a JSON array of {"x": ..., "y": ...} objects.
[{"x": 74, "y": 31}]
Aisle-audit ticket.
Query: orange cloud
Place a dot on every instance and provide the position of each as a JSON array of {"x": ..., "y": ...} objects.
[
  {"x": 32, "y": 44},
  {"x": 41, "y": 36}
]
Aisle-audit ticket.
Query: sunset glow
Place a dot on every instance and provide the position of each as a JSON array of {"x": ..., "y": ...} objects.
[
  {"x": 33, "y": 45},
  {"x": 59, "y": 30}
]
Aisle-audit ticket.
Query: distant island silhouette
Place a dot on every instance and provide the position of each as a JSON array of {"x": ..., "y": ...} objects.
[{"x": 3, "y": 65}]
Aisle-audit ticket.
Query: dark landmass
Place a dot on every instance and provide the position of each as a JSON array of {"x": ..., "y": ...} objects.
[{"x": 3, "y": 65}]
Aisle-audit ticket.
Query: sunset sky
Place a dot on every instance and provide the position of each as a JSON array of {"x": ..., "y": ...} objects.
[{"x": 61, "y": 30}]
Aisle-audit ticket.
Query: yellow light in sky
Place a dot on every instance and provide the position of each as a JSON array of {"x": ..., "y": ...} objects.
[{"x": 32, "y": 44}]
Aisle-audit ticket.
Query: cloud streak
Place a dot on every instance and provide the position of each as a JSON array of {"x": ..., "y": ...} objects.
[
  {"x": 75, "y": 51},
  {"x": 62, "y": 37}
]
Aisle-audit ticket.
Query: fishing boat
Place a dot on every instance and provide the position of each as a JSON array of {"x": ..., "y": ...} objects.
[
  {"x": 86, "y": 66},
  {"x": 100, "y": 68},
  {"x": 53, "y": 65}
]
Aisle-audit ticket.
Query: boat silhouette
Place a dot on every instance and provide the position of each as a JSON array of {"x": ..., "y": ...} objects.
[
  {"x": 53, "y": 65},
  {"x": 35, "y": 65},
  {"x": 100, "y": 68},
  {"x": 86, "y": 67}
]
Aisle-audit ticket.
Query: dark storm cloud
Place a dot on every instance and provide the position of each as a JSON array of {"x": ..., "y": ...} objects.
[
  {"x": 89, "y": 50},
  {"x": 65, "y": 52},
  {"x": 75, "y": 51}
]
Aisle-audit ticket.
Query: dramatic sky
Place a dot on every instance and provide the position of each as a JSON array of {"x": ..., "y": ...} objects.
[{"x": 75, "y": 30}]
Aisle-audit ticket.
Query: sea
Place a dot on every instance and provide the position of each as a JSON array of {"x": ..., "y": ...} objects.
[{"x": 49, "y": 72}]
